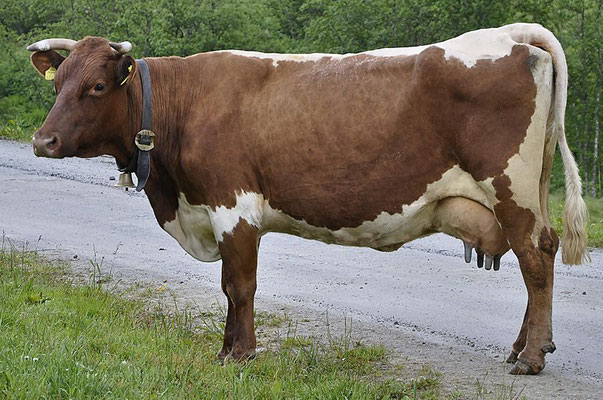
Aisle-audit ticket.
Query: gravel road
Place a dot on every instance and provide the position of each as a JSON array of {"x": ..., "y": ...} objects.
[{"x": 421, "y": 301}]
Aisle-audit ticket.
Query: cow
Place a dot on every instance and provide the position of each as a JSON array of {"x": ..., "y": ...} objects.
[{"x": 373, "y": 149}]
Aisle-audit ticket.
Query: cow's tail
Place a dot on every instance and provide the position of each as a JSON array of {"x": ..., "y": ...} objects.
[
  {"x": 575, "y": 214},
  {"x": 573, "y": 241}
]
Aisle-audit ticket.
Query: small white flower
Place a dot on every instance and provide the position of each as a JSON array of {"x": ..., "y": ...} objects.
[
  {"x": 26, "y": 358},
  {"x": 35, "y": 359},
  {"x": 124, "y": 362}
]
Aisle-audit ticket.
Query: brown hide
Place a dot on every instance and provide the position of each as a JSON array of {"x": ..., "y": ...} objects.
[{"x": 336, "y": 142}]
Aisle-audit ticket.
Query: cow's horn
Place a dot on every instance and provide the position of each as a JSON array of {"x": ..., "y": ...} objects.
[
  {"x": 52, "y": 44},
  {"x": 122, "y": 47}
]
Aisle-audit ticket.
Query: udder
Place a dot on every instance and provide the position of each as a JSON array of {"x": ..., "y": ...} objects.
[{"x": 474, "y": 224}]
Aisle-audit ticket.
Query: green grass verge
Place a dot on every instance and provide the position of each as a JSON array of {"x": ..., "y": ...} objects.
[
  {"x": 62, "y": 340},
  {"x": 595, "y": 210}
]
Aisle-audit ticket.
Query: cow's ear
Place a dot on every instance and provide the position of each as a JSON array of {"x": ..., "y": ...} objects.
[
  {"x": 126, "y": 68},
  {"x": 46, "y": 62}
]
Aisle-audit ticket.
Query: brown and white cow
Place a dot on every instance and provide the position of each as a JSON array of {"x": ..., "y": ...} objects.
[{"x": 372, "y": 149}]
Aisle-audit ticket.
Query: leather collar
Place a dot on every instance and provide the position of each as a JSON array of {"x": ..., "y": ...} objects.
[{"x": 140, "y": 163}]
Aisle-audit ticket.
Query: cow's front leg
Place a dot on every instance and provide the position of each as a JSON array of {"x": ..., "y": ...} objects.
[
  {"x": 229, "y": 330},
  {"x": 239, "y": 251}
]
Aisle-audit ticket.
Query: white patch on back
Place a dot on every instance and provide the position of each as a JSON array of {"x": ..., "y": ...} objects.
[
  {"x": 484, "y": 44},
  {"x": 278, "y": 57}
]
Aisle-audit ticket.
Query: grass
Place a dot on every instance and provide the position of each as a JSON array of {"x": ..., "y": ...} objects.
[
  {"x": 595, "y": 209},
  {"x": 63, "y": 340},
  {"x": 499, "y": 391}
]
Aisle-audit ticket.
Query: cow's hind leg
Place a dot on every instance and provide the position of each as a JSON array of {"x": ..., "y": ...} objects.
[
  {"x": 536, "y": 334},
  {"x": 535, "y": 244},
  {"x": 520, "y": 342},
  {"x": 239, "y": 264}
]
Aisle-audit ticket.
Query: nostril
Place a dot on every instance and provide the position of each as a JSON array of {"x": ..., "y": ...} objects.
[{"x": 50, "y": 143}]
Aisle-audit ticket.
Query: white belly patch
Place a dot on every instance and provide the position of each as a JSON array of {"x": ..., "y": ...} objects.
[
  {"x": 193, "y": 230},
  {"x": 386, "y": 229},
  {"x": 199, "y": 228}
]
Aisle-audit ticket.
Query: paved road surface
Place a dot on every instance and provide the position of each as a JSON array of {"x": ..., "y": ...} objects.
[{"x": 423, "y": 300}]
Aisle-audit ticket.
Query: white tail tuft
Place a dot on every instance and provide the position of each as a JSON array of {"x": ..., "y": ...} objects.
[{"x": 575, "y": 213}]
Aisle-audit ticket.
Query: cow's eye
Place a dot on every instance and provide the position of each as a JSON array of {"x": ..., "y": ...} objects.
[{"x": 99, "y": 87}]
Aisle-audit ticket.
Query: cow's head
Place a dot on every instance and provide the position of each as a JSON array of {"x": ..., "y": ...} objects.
[{"x": 91, "y": 104}]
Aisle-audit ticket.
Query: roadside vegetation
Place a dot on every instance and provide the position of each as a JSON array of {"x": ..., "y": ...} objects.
[{"x": 60, "y": 339}]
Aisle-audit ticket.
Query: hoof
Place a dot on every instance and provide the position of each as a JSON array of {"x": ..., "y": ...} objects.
[
  {"x": 524, "y": 368},
  {"x": 242, "y": 356},
  {"x": 549, "y": 348},
  {"x": 512, "y": 357},
  {"x": 223, "y": 353}
]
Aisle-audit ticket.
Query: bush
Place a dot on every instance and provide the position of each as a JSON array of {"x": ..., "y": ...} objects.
[{"x": 19, "y": 117}]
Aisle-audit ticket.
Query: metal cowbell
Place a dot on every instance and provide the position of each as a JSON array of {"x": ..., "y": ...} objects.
[{"x": 125, "y": 180}]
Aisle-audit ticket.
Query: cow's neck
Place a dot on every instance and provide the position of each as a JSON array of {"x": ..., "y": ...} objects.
[
  {"x": 170, "y": 106},
  {"x": 172, "y": 98}
]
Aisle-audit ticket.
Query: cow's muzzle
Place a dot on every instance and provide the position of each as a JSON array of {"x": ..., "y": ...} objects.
[{"x": 46, "y": 146}]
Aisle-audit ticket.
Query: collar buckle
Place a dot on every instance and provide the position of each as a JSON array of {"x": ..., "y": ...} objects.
[{"x": 145, "y": 140}]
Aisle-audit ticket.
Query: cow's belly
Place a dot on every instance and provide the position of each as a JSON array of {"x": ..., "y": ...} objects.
[
  {"x": 383, "y": 232},
  {"x": 387, "y": 231},
  {"x": 199, "y": 228}
]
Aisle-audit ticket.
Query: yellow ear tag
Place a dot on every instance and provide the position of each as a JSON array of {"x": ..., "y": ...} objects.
[
  {"x": 50, "y": 73},
  {"x": 124, "y": 81}
]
